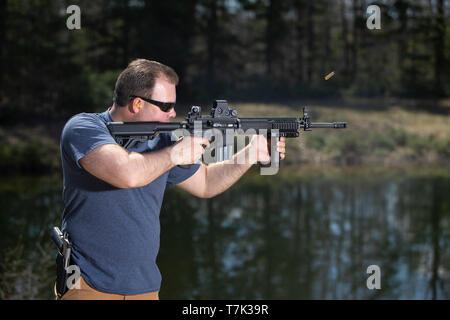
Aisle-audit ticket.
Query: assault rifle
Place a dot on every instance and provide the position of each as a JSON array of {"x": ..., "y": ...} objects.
[{"x": 224, "y": 119}]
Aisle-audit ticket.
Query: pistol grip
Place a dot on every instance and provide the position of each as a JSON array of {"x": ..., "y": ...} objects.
[{"x": 275, "y": 159}]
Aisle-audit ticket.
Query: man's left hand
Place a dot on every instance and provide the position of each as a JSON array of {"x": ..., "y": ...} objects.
[{"x": 262, "y": 146}]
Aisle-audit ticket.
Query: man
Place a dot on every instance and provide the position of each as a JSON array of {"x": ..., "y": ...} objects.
[{"x": 113, "y": 196}]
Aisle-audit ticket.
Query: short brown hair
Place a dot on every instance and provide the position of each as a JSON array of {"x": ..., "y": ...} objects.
[{"x": 139, "y": 79}]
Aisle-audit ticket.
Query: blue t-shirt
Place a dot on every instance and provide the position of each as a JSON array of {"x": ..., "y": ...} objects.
[{"x": 115, "y": 232}]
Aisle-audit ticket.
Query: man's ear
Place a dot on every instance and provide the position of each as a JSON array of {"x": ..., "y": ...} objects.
[{"x": 135, "y": 106}]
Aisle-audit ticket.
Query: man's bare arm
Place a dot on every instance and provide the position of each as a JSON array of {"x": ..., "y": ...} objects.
[
  {"x": 221, "y": 176},
  {"x": 123, "y": 169},
  {"x": 215, "y": 178}
]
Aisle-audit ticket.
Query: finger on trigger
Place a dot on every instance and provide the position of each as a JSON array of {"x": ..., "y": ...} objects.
[{"x": 206, "y": 142}]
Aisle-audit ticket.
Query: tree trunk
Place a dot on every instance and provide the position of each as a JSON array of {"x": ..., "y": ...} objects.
[
  {"x": 439, "y": 47},
  {"x": 126, "y": 31},
  {"x": 300, "y": 28},
  {"x": 3, "y": 13},
  {"x": 401, "y": 7},
  {"x": 355, "y": 44},
  {"x": 310, "y": 41},
  {"x": 211, "y": 43},
  {"x": 328, "y": 59},
  {"x": 270, "y": 36},
  {"x": 346, "y": 49}
]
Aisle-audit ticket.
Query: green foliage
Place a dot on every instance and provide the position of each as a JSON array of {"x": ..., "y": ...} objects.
[
  {"x": 347, "y": 148},
  {"x": 442, "y": 146},
  {"x": 316, "y": 141},
  {"x": 101, "y": 87},
  {"x": 30, "y": 157},
  {"x": 419, "y": 143}
]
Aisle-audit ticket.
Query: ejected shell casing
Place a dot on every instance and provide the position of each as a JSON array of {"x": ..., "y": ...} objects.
[{"x": 328, "y": 76}]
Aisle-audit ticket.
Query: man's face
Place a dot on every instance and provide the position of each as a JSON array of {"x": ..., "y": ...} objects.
[{"x": 163, "y": 91}]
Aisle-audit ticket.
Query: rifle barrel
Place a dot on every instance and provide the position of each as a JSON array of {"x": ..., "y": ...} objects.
[{"x": 335, "y": 125}]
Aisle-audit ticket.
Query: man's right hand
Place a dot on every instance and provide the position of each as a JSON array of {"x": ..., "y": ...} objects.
[{"x": 188, "y": 150}]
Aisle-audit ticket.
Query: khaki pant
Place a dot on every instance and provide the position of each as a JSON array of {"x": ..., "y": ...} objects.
[{"x": 86, "y": 292}]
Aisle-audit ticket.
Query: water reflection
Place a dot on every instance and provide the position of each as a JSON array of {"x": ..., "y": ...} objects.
[
  {"x": 307, "y": 235},
  {"x": 29, "y": 207},
  {"x": 310, "y": 237}
]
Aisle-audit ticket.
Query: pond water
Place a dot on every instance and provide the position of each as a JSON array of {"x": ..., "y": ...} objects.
[{"x": 306, "y": 233}]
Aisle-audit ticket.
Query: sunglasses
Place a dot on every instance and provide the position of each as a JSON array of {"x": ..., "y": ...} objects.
[{"x": 164, "y": 106}]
